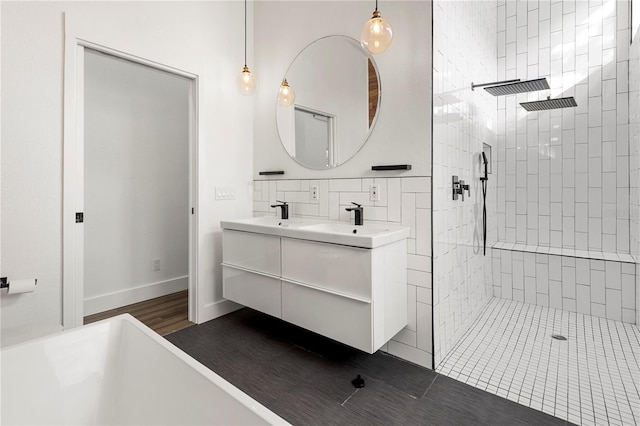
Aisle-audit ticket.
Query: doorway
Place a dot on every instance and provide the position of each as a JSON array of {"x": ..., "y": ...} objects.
[
  {"x": 131, "y": 174},
  {"x": 314, "y": 137},
  {"x": 136, "y": 183}
]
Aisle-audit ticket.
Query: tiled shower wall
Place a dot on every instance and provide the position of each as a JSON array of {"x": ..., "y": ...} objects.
[
  {"x": 602, "y": 288},
  {"x": 564, "y": 175},
  {"x": 403, "y": 201},
  {"x": 634, "y": 151},
  {"x": 464, "y": 48}
]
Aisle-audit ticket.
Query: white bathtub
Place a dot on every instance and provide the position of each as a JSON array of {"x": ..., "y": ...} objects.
[{"x": 117, "y": 371}]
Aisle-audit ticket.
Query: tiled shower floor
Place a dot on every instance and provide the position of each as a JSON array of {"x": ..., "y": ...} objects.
[{"x": 591, "y": 378}]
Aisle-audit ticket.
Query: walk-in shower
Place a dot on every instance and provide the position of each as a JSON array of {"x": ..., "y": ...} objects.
[{"x": 562, "y": 228}]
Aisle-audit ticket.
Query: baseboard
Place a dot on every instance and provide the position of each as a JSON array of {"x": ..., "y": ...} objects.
[
  {"x": 217, "y": 309},
  {"x": 105, "y": 302}
]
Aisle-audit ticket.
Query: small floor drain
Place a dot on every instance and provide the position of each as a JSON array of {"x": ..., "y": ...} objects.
[
  {"x": 558, "y": 337},
  {"x": 358, "y": 382}
]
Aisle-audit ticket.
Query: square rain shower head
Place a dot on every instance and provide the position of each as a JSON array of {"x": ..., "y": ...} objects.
[
  {"x": 518, "y": 87},
  {"x": 549, "y": 104}
]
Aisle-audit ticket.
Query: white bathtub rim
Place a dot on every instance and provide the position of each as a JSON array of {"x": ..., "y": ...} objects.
[
  {"x": 250, "y": 403},
  {"x": 268, "y": 415}
]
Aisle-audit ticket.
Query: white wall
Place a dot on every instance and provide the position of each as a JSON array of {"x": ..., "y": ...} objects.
[
  {"x": 136, "y": 128},
  {"x": 403, "y": 128},
  {"x": 204, "y": 38},
  {"x": 464, "y": 52},
  {"x": 402, "y": 135}
]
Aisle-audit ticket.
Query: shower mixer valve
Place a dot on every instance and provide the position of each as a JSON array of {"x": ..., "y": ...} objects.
[{"x": 459, "y": 187}]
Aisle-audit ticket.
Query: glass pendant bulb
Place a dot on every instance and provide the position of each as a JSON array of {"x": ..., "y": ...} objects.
[
  {"x": 376, "y": 34},
  {"x": 286, "y": 95},
  {"x": 247, "y": 82}
]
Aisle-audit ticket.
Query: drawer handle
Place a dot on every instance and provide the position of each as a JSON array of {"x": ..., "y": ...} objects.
[{"x": 325, "y": 290}]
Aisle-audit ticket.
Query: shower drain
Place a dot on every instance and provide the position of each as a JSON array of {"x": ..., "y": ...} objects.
[{"x": 558, "y": 337}]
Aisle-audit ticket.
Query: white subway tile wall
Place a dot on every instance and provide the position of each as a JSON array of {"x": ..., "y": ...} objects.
[
  {"x": 634, "y": 152},
  {"x": 463, "y": 119},
  {"x": 403, "y": 201},
  {"x": 592, "y": 378},
  {"x": 598, "y": 287},
  {"x": 563, "y": 175}
]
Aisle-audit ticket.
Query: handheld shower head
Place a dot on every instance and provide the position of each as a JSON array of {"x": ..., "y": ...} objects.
[
  {"x": 484, "y": 181},
  {"x": 486, "y": 164}
]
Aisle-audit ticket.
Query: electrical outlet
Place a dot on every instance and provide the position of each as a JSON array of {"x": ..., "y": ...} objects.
[
  {"x": 155, "y": 265},
  {"x": 314, "y": 192},
  {"x": 374, "y": 193}
]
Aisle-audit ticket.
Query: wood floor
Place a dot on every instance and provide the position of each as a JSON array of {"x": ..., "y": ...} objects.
[{"x": 163, "y": 315}]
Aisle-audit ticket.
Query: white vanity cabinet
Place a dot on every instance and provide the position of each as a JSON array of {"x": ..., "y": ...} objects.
[
  {"x": 354, "y": 295},
  {"x": 251, "y": 270}
]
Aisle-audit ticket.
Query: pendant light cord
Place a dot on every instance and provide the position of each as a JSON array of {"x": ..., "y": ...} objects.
[
  {"x": 376, "y": 5},
  {"x": 245, "y": 32}
]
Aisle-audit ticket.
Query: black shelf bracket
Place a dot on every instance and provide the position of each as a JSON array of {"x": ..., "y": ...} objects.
[
  {"x": 274, "y": 172},
  {"x": 392, "y": 167}
]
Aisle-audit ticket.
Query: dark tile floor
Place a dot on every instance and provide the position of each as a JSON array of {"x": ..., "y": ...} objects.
[{"x": 306, "y": 378}]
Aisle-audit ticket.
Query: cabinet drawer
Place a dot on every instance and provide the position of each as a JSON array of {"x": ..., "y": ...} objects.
[
  {"x": 257, "y": 252},
  {"x": 253, "y": 290},
  {"x": 338, "y": 268},
  {"x": 339, "y": 318}
]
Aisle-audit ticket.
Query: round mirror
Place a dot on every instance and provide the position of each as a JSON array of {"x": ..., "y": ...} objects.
[{"x": 337, "y": 97}]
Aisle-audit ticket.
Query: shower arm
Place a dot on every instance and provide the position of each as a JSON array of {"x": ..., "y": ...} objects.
[{"x": 494, "y": 83}]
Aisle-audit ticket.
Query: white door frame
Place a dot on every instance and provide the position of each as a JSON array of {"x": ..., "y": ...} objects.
[{"x": 73, "y": 176}]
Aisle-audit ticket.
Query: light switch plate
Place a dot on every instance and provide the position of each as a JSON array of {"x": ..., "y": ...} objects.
[
  {"x": 314, "y": 192},
  {"x": 225, "y": 193}
]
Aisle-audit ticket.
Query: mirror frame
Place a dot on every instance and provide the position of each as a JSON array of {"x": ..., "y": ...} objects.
[{"x": 378, "y": 104}]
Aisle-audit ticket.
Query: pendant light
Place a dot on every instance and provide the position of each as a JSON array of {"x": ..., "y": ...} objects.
[
  {"x": 286, "y": 95},
  {"x": 376, "y": 34},
  {"x": 247, "y": 82}
]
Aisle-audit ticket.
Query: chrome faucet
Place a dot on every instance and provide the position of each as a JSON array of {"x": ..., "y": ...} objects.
[
  {"x": 285, "y": 208},
  {"x": 359, "y": 212}
]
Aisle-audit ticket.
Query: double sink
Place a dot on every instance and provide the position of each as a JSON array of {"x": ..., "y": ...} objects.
[{"x": 366, "y": 236}]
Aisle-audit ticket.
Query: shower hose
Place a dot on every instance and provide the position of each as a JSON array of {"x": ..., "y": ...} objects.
[{"x": 484, "y": 213}]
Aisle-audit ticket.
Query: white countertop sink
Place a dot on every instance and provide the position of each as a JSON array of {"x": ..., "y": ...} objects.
[
  {"x": 367, "y": 235},
  {"x": 264, "y": 224},
  {"x": 347, "y": 228},
  {"x": 370, "y": 235}
]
